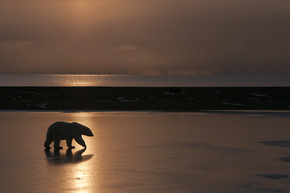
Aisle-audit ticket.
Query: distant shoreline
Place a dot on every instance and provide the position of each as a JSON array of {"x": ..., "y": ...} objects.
[
  {"x": 106, "y": 80},
  {"x": 167, "y": 99}
]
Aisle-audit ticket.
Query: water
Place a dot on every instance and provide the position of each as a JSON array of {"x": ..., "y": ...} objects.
[
  {"x": 140, "y": 80},
  {"x": 149, "y": 152}
]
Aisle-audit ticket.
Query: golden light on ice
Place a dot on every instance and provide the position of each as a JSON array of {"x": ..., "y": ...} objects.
[
  {"x": 85, "y": 173},
  {"x": 84, "y": 118},
  {"x": 81, "y": 177}
]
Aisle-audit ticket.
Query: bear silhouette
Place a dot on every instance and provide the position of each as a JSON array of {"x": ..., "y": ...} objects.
[{"x": 66, "y": 131}]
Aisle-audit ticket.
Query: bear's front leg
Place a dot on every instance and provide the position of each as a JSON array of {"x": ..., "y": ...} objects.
[
  {"x": 80, "y": 141},
  {"x": 56, "y": 144},
  {"x": 68, "y": 143}
]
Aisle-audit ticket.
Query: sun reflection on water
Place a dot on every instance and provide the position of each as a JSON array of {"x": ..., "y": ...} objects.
[
  {"x": 85, "y": 171},
  {"x": 78, "y": 80}
]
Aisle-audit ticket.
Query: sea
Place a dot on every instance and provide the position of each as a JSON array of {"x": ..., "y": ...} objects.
[{"x": 142, "y": 80}]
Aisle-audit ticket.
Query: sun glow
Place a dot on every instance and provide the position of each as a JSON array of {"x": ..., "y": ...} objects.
[{"x": 82, "y": 15}]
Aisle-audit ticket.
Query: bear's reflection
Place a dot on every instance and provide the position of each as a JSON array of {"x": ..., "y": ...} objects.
[{"x": 55, "y": 157}]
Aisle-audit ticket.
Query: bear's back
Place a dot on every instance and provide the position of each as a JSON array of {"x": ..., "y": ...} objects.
[{"x": 62, "y": 130}]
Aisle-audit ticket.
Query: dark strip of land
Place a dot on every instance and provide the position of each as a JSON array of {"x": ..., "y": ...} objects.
[{"x": 188, "y": 99}]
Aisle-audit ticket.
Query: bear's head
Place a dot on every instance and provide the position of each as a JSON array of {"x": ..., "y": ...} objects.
[
  {"x": 82, "y": 129},
  {"x": 86, "y": 131}
]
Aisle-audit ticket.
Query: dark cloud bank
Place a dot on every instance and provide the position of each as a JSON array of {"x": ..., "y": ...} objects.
[{"x": 145, "y": 37}]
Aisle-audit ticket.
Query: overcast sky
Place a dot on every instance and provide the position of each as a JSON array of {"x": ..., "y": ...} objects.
[{"x": 192, "y": 37}]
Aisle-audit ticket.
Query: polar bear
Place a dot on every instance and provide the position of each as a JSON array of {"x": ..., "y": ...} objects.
[{"x": 66, "y": 131}]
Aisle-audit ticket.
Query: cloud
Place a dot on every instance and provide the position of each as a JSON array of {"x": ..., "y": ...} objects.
[
  {"x": 126, "y": 48},
  {"x": 146, "y": 36},
  {"x": 15, "y": 46}
]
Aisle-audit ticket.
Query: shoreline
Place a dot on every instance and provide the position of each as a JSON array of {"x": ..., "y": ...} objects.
[
  {"x": 251, "y": 113},
  {"x": 156, "y": 99}
]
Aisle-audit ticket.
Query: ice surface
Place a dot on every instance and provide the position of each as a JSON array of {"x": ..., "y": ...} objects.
[{"x": 147, "y": 152}]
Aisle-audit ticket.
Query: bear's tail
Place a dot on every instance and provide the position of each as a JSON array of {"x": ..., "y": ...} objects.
[
  {"x": 49, "y": 131},
  {"x": 48, "y": 138}
]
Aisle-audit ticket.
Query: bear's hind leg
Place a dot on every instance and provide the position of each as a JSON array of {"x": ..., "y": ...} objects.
[
  {"x": 47, "y": 142},
  {"x": 56, "y": 144},
  {"x": 68, "y": 142}
]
